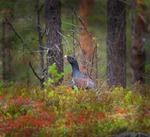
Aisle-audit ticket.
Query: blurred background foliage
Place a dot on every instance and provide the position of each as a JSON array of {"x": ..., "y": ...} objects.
[{"x": 23, "y": 16}]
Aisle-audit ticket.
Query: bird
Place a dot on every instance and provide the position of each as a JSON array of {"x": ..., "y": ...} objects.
[{"x": 79, "y": 80}]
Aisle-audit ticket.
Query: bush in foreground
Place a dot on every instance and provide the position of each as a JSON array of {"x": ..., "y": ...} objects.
[{"x": 61, "y": 111}]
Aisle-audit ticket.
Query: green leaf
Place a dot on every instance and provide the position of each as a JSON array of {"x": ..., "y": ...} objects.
[
  {"x": 53, "y": 71},
  {"x": 51, "y": 94}
]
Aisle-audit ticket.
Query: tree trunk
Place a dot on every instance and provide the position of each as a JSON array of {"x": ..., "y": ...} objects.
[
  {"x": 138, "y": 51},
  {"x": 41, "y": 52},
  {"x": 86, "y": 47},
  {"x": 9, "y": 62},
  {"x": 3, "y": 52},
  {"x": 116, "y": 43},
  {"x": 73, "y": 31},
  {"x": 53, "y": 37}
]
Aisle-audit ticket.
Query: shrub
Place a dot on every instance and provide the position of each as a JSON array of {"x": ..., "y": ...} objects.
[
  {"x": 55, "y": 76},
  {"x": 61, "y": 111}
]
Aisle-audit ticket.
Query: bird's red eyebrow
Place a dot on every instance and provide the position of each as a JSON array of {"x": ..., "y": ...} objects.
[{"x": 70, "y": 57}]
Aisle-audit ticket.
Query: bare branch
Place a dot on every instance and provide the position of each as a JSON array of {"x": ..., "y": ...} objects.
[
  {"x": 42, "y": 35},
  {"x": 24, "y": 44},
  {"x": 85, "y": 28},
  {"x": 35, "y": 72},
  {"x": 14, "y": 30},
  {"x": 63, "y": 37}
]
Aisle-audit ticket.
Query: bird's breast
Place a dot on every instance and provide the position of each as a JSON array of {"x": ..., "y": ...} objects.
[{"x": 82, "y": 83}]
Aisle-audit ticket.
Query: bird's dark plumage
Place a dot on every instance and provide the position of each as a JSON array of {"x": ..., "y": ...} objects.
[{"x": 78, "y": 79}]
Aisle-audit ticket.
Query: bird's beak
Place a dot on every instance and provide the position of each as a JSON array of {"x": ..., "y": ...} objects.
[{"x": 65, "y": 56}]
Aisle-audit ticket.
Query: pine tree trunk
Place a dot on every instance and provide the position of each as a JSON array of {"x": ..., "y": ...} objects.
[
  {"x": 41, "y": 50},
  {"x": 86, "y": 47},
  {"x": 3, "y": 52},
  {"x": 53, "y": 37},
  {"x": 138, "y": 51},
  {"x": 116, "y": 43}
]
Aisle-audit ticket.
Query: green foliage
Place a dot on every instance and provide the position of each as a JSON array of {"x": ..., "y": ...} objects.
[
  {"x": 147, "y": 67},
  {"x": 61, "y": 111},
  {"x": 2, "y": 84},
  {"x": 55, "y": 76}
]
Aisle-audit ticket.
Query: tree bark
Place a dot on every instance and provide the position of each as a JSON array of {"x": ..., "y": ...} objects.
[
  {"x": 9, "y": 62},
  {"x": 53, "y": 37},
  {"x": 86, "y": 48},
  {"x": 73, "y": 31},
  {"x": 138, "y": 51},
  {"x": 41, "y": 52},
  {"x": 3, "y": 52},
  {"x": 116, "y": 43}
]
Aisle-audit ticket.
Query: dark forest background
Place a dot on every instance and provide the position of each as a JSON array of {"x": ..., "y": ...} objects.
[{"x": 25, "y": 24}]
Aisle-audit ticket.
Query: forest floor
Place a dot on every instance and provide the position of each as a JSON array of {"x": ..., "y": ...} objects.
[{"x": 61, "y": 111}]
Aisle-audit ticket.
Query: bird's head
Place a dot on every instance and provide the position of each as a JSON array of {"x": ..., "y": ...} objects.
[{"x": 72, "y": 60}]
